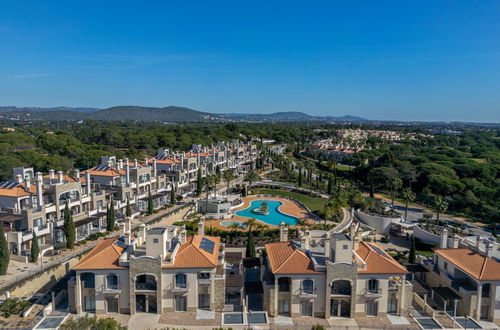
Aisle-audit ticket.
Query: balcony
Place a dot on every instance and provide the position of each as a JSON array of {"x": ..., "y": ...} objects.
[
  {"x": 372, "y": 293},
  {"x": 307, "y": 293},
  {"x": 115, "y": 289},
  {"x": 204, "y": 281},
  {"x": 180, "y": 288}
]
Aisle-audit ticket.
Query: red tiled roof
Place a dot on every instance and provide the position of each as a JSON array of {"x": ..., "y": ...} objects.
[
  {"x": 104, "y": 256},
  {"x": 285, "y": 258},
  {"x": 473, "y": 263},
  {"x": 191, "y": 255},
  {"x": 377, "y": 261}
]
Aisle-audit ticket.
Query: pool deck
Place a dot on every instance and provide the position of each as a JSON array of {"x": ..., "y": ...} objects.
[{"x": 289, "y": 207}]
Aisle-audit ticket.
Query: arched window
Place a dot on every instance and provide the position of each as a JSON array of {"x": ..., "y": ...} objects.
[
  {"x": 307, "y": 286},
  {"x": 145, "y": 282},
  {"x": 373, "y": 286},
  {"x": 341, "y": 287},
  {"x": 180, "y": 281},
  {"x": 112, "y": 282},
  {"x": 284, "y": 284},
  {"x": 88, "y": 280}
]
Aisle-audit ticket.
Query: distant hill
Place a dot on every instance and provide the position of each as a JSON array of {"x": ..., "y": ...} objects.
[{"x": 171, "y": 114}]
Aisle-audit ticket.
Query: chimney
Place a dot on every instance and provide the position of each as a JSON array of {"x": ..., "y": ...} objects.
[
  {"x": 119, "y": 165},
  {"x": 183, "y": 235},
  {"x": 444, "y": 239},
  {"x": 87, "y": 181},
  {"x": 19, "y": 178},
  {"x": 304, "y": 241},
  {"x": 283, "y": 232},
  {"x": 145, "y": 161},
  {"x": 27, "y": 185},
  {"x": 489, "y": 249},
  {"x": 77, "y": 175},
  {"x": 135, "y": 163},
  {"x": 127, "y": 171},
  {"x": 51, "y": 175},
  {"x": 201, "y": 227},
  {"x": 142, "y": 234},
  {"x": 198, "y": 158},
  {"x": 60, "y": 177},
  {"x": 479, "y": 243},
  {"x": 182, "y": 162},
  {"x": 128, "y": 231},
  {"x": 456, "y": 241},
  {"x": 352, "y": 231},
  {"x": 39, "y": 191},
  {"x": 154, "y": 168}
]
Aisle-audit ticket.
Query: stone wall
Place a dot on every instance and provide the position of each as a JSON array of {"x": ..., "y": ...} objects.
[
  {"x": 340, "y": 271},
  {"x": 148, "y": 266}
]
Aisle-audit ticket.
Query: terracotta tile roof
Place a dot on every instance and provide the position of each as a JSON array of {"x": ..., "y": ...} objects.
[
  {"x": 285, "y": 258},
  {"x": 105, "y": 171},
  {"x": 377, "y": 261},
  {"x": 191, "y": 255},
  {"x": 104, "y": 256},
  {"x": 165, "y": 160},
  {"x": 15, "y": 189},
  {"x": 65, "y": 178},
  {"x": 473, "y": 263}
]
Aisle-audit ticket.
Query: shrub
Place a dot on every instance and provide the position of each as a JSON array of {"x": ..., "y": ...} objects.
[
  {"x": 14, "y": 306},
  {"x": 91, "y": 323}
]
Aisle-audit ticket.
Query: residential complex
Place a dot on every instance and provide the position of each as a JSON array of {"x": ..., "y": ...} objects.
[{"x": 33, "y": 203}]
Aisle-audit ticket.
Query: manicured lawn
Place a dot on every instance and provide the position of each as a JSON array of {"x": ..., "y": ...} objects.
[
  {"x": 343, "y": 168},
  {"x": 314, "y": 204}
]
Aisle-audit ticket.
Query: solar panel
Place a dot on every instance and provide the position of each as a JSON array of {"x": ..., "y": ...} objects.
[
  {"x": 379, "y": 251},
  {"x": 8, "y": 184},
  {"x": 207, "y": 245}
]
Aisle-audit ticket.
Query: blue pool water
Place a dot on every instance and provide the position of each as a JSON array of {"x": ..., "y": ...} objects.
[
  {"x": 228, "y": 223},
  {"x": 275, "y": 217}
]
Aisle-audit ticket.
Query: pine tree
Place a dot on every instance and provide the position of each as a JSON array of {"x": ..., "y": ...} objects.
[
  {"x": 4, "y": 252},
  {"x": 299, "y": 181},
  {"x": 172, "y": 196},
  {"x": 250, "y": 250},
  {"x": 69, "y": 228},
  {"x": 150, "y": 203},
  {"x": 199, "y": 183},
  {"x": 330, "y": 186},
  {"x": 110, "y": 217},
  {"x": 35, "y": 249},
  {"x": 128, "y": 209},
  {"x": 412, "y": 257}
]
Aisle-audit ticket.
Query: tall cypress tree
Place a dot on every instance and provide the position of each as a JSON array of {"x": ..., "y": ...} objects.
[
  {"x": 299, "y": 180},
  {"x": 110, "y": 216},
  {"x": 128, "y": 209},
  {"x": 250, "y": 250},
  {"x": 150, "y": 203},
  {"x": 330, "y": 186},
  {"x": 69, "y": 228},
  {"x": 4, "y": 252},
  {"x": 412, "y": 256},
  {"x": 172, "y": 196},
  {"x": 199, "y": 183},
  {"x": 35, "y": 249}
]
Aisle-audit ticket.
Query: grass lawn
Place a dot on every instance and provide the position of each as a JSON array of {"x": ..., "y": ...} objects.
[
  {"x": 343, "y": 168},
  {"x": 314, "y": 204}
]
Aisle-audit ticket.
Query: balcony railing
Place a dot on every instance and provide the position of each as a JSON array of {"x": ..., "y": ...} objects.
[
  {"x": 307, "y": 292},
  {"x": 341, "y": 292},
  {"x": 372, "y": 292},
  {"x": 180, "y": 288},
  {"x": 145, "y": 286}
]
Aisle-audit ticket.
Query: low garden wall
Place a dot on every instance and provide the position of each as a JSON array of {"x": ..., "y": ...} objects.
[
  {"x": 426, "y": 236},
  {"x": 380, "y": 224}
]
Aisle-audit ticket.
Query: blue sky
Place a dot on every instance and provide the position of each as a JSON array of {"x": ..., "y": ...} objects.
[{"x": 402, "y": 60}]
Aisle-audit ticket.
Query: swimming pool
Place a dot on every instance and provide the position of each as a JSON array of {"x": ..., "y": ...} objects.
[
  {"x": 274, "y": 216},
  {"x": 228, "y": 223}
]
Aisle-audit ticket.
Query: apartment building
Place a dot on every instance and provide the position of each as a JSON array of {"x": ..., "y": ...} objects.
[
  {"x": 328, "y": 274},
  {"x": 34, "y": 203},
  {"x": 467, "y": 277},
  {"x": 161, "y": 270}
]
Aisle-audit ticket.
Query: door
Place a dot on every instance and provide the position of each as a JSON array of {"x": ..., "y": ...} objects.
[
  {"x": 140, "y": 303},
  {"x": 392, "y": 305},
  {"x": 89, "y": 303},
  {"x": 204, "y": 301},
  {"x": 283, "y": 307},
  {"x": 345, "y": 308},
  {"x": 334, "y": 307},
  {"x": 112, "y": 304},
  {"x": 371, "y": 308},
  {"x": 306, "y": 308},
  {"x": 485, "y": 309},
  {"x": 180, "y": 304}
]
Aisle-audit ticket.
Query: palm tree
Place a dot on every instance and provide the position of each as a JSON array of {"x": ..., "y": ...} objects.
[
  {"x": 302, "y": 223},
  {"x": 408, "y": 196},
  {"x": 250, "y": 223},
  {"x": 251, "y": 177},
  {"x": 229, "y": 176},
  {"x": 395, "y": 184},
  {"x": 235, "y": 226},
  {"x": 440, "y": 205}
]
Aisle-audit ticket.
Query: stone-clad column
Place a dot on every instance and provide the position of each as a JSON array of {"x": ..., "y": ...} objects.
[
  {"x": 78, "y": 294},
  {"x": 478, "y": 306},
  {"x": 276, "y": 294}
]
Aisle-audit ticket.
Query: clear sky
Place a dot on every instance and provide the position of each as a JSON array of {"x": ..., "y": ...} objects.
[{"x": 402, "y": 60}]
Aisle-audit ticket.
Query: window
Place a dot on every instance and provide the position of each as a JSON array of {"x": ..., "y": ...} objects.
[
  {"x": 445, "y": 265},
  {"x": 88, "y": 280},
  {"x": 204, "y": 276},
  {"x": 112, "y": 282},
  {"x": 371, "y": 308},
  {"x": 341, "y": 287},
  {"x": 373, "y": 286},
  {"x": 145, "y": 282},
  {"x": 180, "y": 281},
  {"x": 283, "y": 307},
  {"x": 307, "y": 286},
  {"x": 392, "y": 305},
  {"x": 180, "y": 304},
  {"x": 284, "y": 284},
  {"x": 345, "y": 246},
  {"x": 155, "y": 240},
  {"x": 204, "y": 301},
  {"x": 37, "y": 222}
]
